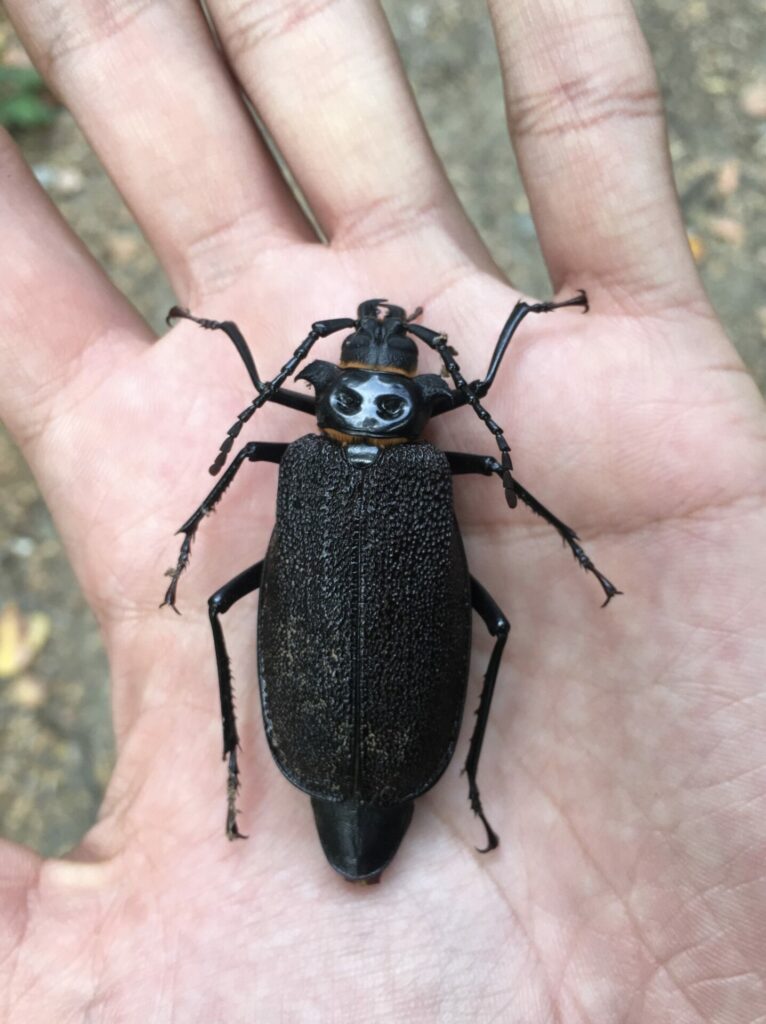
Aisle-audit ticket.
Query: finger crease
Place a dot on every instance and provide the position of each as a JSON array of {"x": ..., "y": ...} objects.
[
  {"x": 455, "y": 279},
  {"x": 218, "y": 256},
  {"x": 383, "y": 220},
  {"x": 82, "y": 27},
  {"x": 254, "y": 22},
  {"x": 578, "y": 104}
]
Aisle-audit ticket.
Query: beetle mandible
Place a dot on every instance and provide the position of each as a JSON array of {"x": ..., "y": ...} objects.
[{"x": 365, "y": 598}]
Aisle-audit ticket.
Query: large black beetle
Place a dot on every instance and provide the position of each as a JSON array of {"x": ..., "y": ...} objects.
[{"x": 364, "y": 623}]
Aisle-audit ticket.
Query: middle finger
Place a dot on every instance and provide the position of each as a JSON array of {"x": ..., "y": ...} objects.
[{"x": 326, "y": 77}]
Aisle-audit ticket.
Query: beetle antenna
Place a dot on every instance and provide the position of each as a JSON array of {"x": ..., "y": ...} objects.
[
  {"x": 269, "y": 388},
  {"x": 438, "y": 342}
]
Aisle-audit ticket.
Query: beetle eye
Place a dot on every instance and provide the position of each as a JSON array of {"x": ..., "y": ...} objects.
[
  {"x": 347, "y": 400},
  {"x": 390, "y": 406}
]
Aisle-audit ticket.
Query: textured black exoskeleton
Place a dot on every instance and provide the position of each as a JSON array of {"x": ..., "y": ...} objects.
[{"x": 364, "y": 622}]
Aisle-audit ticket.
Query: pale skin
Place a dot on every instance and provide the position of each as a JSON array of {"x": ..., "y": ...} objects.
[{"x": 625, "y": 764}]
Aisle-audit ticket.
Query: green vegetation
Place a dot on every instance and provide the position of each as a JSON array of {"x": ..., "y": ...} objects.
[{"x": 24, "y": 102}]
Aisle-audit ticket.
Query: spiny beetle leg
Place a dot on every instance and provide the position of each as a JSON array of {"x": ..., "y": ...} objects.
[
  {"x": 219, "y": 603},
  {"x": 499, "y": 627},
  {"x": 466, "y": 462},
  {"x": 254, "y": 451},
  {"x": 569, "y": 537}
]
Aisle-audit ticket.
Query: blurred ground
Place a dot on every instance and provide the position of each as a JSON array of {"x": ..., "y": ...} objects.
[{"x": 55, "y": 738}]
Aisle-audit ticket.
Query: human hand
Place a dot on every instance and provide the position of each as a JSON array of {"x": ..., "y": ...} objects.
[{"x": 625, "y": 761}]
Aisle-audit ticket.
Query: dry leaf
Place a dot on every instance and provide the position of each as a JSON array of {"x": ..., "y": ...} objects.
[
  {"x": 22, "y": 637},
  {"x": 696, "y": 245}
]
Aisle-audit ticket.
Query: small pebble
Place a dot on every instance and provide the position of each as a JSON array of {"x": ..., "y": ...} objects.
[
  {"x": 26, "y": 692},
  {"x": 727, "y": 230},
  {"x": 122, "y": 246},
  {"x": 22, "y": 547},
  {"x": 727, "y": 179},
  {"x": 65, "y": 181},
  {"x": 752, "y": 99}
]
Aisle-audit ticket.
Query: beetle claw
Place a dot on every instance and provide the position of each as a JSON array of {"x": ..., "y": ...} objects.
[
  {"x": 177, "y": 312},
  {"x": 493, "y": 840},
  {"x": 611, "y": 591}
]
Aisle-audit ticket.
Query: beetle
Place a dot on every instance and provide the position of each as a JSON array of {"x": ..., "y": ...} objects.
[{"x": 365, "y": 597}]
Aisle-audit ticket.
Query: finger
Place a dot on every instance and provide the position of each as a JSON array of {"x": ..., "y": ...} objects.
[
  {"x": 19, "y": 871},
  {"x": 152, "y": 94},
  {"x": 585, "y": 115},
  {"x": 328, "y": 82},
  {"x": 61, "y": 320}
]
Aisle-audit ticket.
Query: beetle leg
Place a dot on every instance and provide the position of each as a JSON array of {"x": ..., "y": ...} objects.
[
  {"x": 569, "y": 537},
  {"x": 464, "y": 462},
  {"x": 255, "y": 451},
  {"x": 518, "y": 313},
  {"x": 292, "y": 399},
  {"x": 499, "y": 627},
  {"x": 220, "y": 602}
]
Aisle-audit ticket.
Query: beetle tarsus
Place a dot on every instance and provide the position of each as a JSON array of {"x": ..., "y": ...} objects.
[
  {"x": 609, "y": 588},
  {"x": 232, "y": 789},
  {"x": 175, "y": 573},
  {"x": 581, "y": 299}
]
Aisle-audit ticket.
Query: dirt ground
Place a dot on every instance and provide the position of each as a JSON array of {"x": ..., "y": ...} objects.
[{"x": 55, "y": 736}]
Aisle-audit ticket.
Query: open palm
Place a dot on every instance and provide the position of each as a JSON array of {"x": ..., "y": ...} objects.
[{"x": 625, "y": 764}]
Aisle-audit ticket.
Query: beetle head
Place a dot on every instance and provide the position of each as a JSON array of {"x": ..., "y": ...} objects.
[
  {"x": 375, "y": 393},
  {"x": 379, "y": 341}
]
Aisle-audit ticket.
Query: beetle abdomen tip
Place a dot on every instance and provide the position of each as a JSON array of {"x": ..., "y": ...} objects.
[{"x": 359, "y": 840}]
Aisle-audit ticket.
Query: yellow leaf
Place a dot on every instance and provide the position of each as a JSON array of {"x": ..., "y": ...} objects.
[
  {"x": 22, "y": 637},
  {"x": 696, "y": 245}
]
